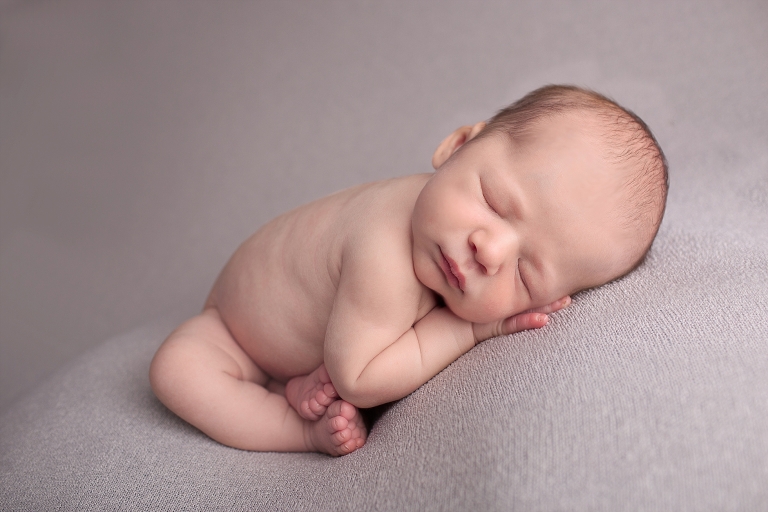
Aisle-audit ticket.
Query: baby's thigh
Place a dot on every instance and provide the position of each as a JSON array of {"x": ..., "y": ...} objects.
[{"x": 206, "y": 344}]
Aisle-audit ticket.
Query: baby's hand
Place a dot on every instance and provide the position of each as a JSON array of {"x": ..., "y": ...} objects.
[{"x": 531, "y": 319}]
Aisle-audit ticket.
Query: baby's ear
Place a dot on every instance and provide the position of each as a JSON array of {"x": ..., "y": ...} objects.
[{"x": 454, "y": 141}]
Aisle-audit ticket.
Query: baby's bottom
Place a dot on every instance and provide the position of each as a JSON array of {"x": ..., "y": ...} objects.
[{"x": 201, "y": 374}]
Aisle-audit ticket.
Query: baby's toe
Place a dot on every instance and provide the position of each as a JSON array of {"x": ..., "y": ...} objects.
[
  {"x": 337, "y": 423},
  {"x": 330, "y": 390},
  {"x": 334, "y": 409},
  {"x": 316, "y": 408},
  {"x": 322, "y": 375},
  {"x": 307, "y": 413},
  {"x": 351, "y": 445},
  {"x": 342, "y": 436},
  {"x": 323, "y": 399},
  {"x": 347, "y": 410}
]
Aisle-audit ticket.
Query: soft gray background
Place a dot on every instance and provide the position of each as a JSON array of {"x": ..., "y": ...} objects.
[{"x": 140, "y": 142}]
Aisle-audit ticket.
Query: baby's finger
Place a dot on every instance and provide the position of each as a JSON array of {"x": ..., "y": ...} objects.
[
  {"x": 555, "y": 306},
  {"x": 524, "y": 321}
]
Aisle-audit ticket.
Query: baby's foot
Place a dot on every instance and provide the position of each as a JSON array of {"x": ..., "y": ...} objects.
[
  {"x": 339, "y": 432},
  {"x": 311, "y": 394}
]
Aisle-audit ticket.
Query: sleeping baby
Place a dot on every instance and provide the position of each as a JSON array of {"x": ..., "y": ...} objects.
[{"x": 359, "y": 298}]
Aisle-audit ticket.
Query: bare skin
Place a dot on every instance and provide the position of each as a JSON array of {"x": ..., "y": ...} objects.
[
  {"x": 310, "y": 395},
  {"x": 337, "y": 304}
]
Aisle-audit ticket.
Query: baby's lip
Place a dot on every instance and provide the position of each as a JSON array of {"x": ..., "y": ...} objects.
[{"x": 452, "y": 273}]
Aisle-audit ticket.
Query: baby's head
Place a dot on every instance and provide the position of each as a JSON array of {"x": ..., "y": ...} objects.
[{"x": 561, "y": 191}]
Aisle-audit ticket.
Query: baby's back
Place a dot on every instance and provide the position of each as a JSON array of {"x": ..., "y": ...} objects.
[{"x": 276, "y": 293}]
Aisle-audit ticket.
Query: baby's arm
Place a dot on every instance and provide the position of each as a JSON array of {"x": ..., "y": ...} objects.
[
  {"x": 310, "y": 395},
  {"x": 428, "y": 347},
  {"x": 374, "y": 353}
]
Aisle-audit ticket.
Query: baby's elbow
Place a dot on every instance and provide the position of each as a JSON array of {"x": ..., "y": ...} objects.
[
  {"x": 355, "y": 392},
  {"x": 350, "y": 392},
  {"x": 362, "y": 401}
]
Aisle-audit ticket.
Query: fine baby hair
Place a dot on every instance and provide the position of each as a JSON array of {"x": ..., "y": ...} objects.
[{"x": 628, "y": 141}]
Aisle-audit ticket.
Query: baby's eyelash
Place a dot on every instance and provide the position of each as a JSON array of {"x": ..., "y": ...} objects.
[
  {"x": 487, "y": 203},
  {"x": 521, "y": 278}
]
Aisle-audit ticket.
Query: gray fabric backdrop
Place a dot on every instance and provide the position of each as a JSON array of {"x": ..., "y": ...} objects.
[{"x": 140, "y": 142}]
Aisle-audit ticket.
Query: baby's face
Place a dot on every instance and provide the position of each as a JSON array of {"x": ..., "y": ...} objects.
[{"x": 498, "y": 230}]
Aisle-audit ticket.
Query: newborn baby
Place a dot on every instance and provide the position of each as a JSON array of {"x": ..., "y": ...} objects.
[{"x": 359, "y": 298}]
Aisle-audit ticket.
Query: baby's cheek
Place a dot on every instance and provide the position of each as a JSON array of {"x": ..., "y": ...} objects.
[{"x": 504, "y": 303}]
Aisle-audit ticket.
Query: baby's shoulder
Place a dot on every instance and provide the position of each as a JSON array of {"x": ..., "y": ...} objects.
[
  {"x": 378, "y": 243},
  {"x": 378, "y": 217},
  {"x": 384, "y": 203}
]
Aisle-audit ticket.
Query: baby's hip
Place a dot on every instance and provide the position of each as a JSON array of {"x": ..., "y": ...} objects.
[{"x": 279, "y": 349}]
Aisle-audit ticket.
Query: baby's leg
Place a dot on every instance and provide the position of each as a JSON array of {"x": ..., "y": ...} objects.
[
  {"x": 311, "y": 394},
  {"x": 203, "y": 375}
]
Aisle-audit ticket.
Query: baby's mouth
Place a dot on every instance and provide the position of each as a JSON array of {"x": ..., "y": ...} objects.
[{"x": 452, "y": 273}]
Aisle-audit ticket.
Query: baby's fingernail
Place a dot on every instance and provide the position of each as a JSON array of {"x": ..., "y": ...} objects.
[{"x": 543, "y": 318}]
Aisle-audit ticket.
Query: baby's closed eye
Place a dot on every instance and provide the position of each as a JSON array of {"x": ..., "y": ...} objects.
[
  {"x": 485, "y": 196},
  {"x": 522, "y": 279}
]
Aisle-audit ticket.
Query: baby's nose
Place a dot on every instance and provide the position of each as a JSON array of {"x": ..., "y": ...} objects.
[{"x": 491, "y": 250}]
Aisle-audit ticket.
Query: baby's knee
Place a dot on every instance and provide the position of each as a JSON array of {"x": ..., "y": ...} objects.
[
  {"x": 165, "y": 368},
  {"x": 191, "y": 359},
  {"x": 173, "y": 362}
]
